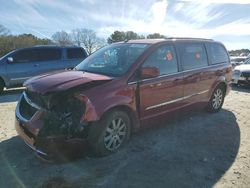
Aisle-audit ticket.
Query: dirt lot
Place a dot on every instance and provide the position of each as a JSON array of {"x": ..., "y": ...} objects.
[{"x": 197, "y": 150}]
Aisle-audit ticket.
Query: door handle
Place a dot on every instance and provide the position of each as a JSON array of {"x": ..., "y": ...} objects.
[
  {"x": 36, "y": 65},
  {"x": 177, "y": 79},
  {"x": 155, "y": 85}
]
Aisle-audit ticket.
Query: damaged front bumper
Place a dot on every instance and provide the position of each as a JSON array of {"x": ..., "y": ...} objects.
[{"x": 40, "y": 130}]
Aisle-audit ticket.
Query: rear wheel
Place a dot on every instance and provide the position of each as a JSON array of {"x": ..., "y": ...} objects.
[
  {"x": 110, "y": 133},
  {"x": 1, "y": 85},
  {"x": 217, "y": 99}
]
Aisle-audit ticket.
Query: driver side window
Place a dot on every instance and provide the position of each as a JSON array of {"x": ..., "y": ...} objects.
[
  {"x": 25, "y": 56},
  {"x": 107, "y": 58},
  {"x": 163, "y": 58}
]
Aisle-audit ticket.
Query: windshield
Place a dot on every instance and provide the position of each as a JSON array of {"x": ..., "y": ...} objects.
[{"x": 113, "y": 60}]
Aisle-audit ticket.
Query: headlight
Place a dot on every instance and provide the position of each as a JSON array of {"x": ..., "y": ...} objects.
[{"x": 237, "y": 72}]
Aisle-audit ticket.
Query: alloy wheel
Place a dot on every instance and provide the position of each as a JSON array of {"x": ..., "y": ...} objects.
[
  {"x": 115, "y": 134},
  {"x": 217, "y": 99}
]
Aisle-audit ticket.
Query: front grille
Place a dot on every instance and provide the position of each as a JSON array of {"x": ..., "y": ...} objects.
[
  {"x": 245, "y": 74},
  {"x": 26, "y": 110}
]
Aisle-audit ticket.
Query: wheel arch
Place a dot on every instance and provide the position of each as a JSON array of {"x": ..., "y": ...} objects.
[
  {"x": 2, "y": 80},
  {"x": 4, "y": 84},
  {"x": 221, "y": 81},
  {"x": 128, "y": 110},
  {"x": 224, "y": 85}
]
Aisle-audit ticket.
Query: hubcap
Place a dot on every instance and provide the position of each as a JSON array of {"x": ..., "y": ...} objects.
[
  {"x": 115, "y": 134},
  {"x": 217, "y": 100}
]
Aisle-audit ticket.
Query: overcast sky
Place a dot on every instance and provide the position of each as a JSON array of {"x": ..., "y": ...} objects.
[{"x": 224, "y": 20}]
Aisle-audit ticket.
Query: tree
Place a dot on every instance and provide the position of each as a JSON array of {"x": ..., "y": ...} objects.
[
  {"x": 130, "y": 35},
  {"x": 4, "y": 31},
  {"x": 88, "y": 39},
  {"x": 62, "y": 38},
  {"x": 76, "y": 36},
  {"x": 155, "y": 36},
  {"x": 11, "y": 42},
  {"x": 118, "y": 36}
]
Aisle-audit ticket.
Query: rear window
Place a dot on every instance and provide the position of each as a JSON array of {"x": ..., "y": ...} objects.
[
  {"x": 217, "y": 53},
  {"x": 49, "y": 54},
  {"x": 193, "y": 55},
  {"x": 76, "y": 53}
]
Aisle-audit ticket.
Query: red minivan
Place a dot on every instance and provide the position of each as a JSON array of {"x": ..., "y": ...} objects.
[{"x": 118, "y": 89}]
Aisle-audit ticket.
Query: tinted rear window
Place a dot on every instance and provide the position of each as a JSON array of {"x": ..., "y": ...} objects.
[
  {"x": 217, "y": 53},
  {"x": 76, "y": 53},
  {"x": 49, "y": 54},
  {"x": 193, "y": 55}
]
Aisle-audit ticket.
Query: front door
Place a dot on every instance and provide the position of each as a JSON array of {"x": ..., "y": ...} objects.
[
  {"x": 24, "y": 66},
  {"x": 163, "y": 93}
]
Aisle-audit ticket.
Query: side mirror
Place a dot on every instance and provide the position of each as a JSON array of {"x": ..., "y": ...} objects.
[
  {"x": 149, "y": 72},
  {"x": 10, "y": 60}
]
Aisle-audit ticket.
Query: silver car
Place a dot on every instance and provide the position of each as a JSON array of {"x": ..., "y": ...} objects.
[
  {"x": 241, "y": 73},
  {"x": 19, "y": 65}
]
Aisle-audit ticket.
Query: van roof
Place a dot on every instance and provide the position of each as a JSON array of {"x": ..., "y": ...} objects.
[
  {"x": 152, "y": 41},
  {"x": 55, "y": 46}
]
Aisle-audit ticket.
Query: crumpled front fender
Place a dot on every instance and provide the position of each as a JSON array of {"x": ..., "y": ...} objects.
[{"x": 90, "y": 112}]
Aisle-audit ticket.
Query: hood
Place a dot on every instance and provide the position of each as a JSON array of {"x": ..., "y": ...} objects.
[
  {"x": 244, "y": 67},
  {"x": 62, "y": 81}
]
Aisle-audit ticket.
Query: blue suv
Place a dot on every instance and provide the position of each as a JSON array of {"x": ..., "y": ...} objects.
[{"x": 19, "y": 65}]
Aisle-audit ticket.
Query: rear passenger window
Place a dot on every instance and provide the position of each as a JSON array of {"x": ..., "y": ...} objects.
[
  {"x": 163, "y": 58},
  {"x": 193, "y": 56},
  {"x": 75, "y": 53},
  {"x": 217, "y": 53},
  {"x": 49, "y": 54}
]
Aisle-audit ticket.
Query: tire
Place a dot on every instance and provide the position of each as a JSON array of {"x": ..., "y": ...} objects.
[
  {"x": 217, "y": 100},
  {"x": 1, "y": 85},
  {"x": 110, "y": 133}
]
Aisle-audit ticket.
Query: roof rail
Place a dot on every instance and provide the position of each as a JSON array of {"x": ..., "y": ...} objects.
[
  {"x": 45, "y": 45},
  {"x": 188, "y": 38},
  {"x": 54, "y": 45}
]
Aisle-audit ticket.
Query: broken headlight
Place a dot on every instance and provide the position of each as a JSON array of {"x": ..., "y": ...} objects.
[{"x": 64, "y": 115}]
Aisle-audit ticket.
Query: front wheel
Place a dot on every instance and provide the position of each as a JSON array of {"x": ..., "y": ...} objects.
[
  {"x": 110, "y": 133},
  {"x": 217, "y": 99}
]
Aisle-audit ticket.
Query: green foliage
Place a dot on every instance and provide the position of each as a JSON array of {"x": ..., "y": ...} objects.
[
  {"x": 118, "y": 36},
  {"x": 12, "y": 42},
  {"x": 155, "y": 36}
]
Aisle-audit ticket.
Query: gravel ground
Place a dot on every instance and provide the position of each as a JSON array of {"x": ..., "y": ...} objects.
[{"x": 195, "y": 150}]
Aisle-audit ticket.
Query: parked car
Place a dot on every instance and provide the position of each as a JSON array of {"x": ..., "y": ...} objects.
[
  {"x": 241, "y": 73},
  {"x": 19, "y": 65},
  {"x": 118, "y": 90},
  {"x": 237, "y": 60}
]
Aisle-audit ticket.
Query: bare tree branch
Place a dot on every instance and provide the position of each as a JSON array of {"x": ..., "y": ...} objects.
[
  {"x": 88, "y": 39},
  {"x": 62, "y": 38}
]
